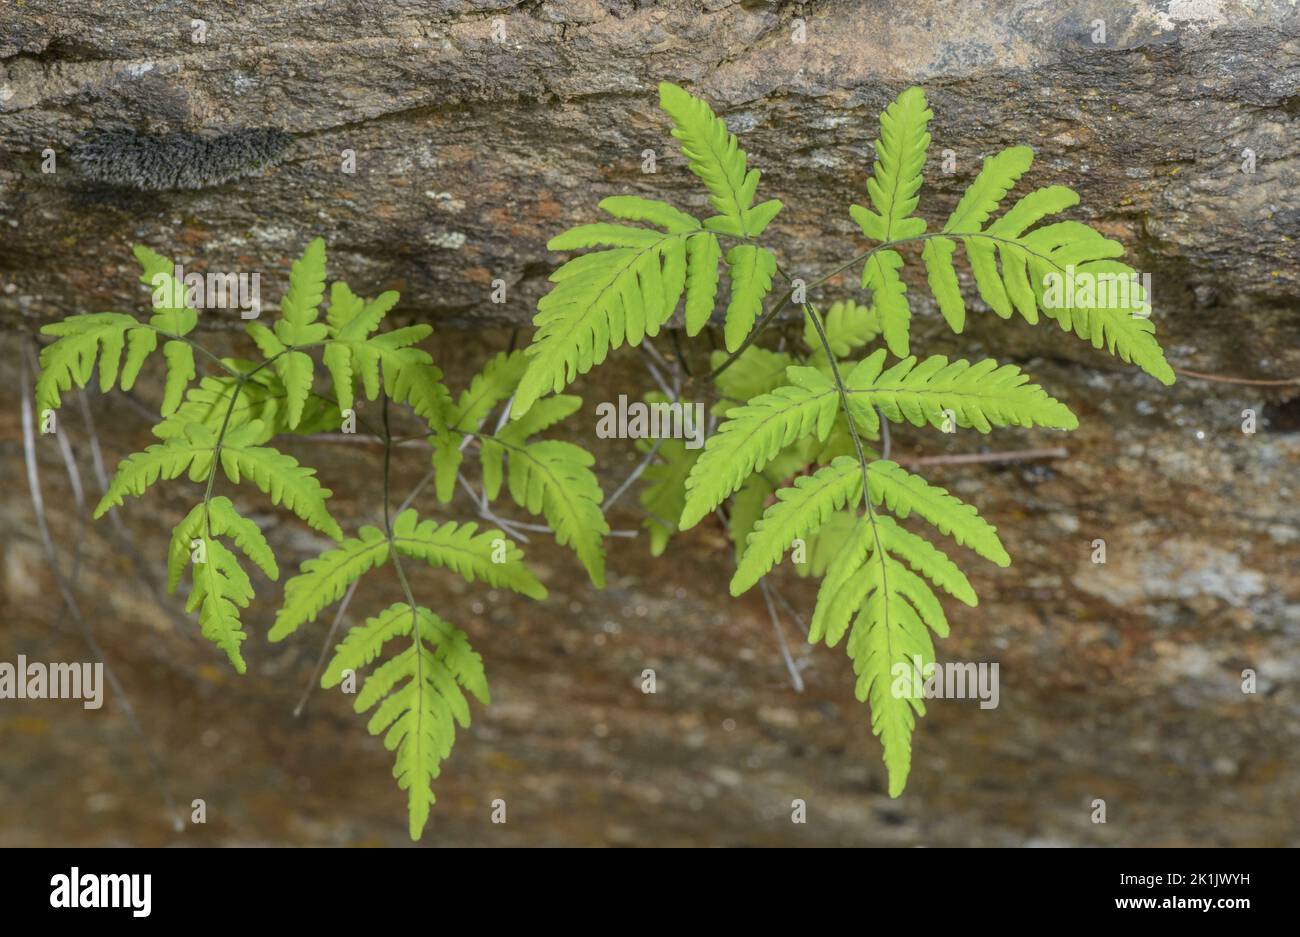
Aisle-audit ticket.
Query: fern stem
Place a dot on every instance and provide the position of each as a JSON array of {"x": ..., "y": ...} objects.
[
  {"x": 771, "y": 314},
  {"x": 401, "y": 573},
  {"x": 240, "y": 380},
  {"x": 815, "y": 317},
  {"x": 195, "y": 345}
]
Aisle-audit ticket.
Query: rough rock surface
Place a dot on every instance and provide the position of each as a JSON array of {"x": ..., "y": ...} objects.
[
  {"x": 1120, "y": 681},
  {"x": 471, "y": 152}
]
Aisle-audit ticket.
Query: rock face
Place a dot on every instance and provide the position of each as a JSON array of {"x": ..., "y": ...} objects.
[
  {"x": 476, "y": 131},
  {"x": 479, "y": 131}
]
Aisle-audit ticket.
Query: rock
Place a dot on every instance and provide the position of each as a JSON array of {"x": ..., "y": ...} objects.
[{"x": 519, "y": 120}]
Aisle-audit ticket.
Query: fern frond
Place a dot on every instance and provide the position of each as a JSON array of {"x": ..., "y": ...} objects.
[
  {"x": 599, "y": 300},
  {"x": 893, "y": 187},
  {"x": 171, "y": 314},
  {"x": 180, "y": 371},
  {"x": 80, "y": 340},
  {"x": 296, "y": 369},
  {"x": 702, "y": 255},
  {"x": 980, "y": 396},
  {"x": 418, "y": 692},
  {"x": 495, "y": 383},
  {"x": 1030, "y": 258},
  {"x": 902, "y": 492},
  {"x": 798, "y": 512},
  {"x": 717, "y": 159},
  {"x": 70, "y": 360},
  {"x": 350, "y": 321},
  {"x": 551, "y": 479},
  {"x": 222, "y": 520},
  {"x": 486, "y": 556},
  {"x": 752, "y": 436},
  {"x": 490, "y": 387},
  {"x": 221, "y": 588},
  {"x": 323, "y": 579},
  {"x": 297, "y": 326},
  {"x": 278, "y": 475},
  {"x": 881, "y": 274},
  {"x": 751, "y": 268},
  {"x": 191, "y": 452},
  {"x": 260, "y": 398},
  {"x": 891, "y": 608}
]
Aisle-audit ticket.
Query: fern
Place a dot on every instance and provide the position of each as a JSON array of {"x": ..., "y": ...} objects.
[
  {"x": 549, "y": 478},
  {"x": 493, "y": 385},
  {"x": 791, "y": 465},
  {"x": 419, "y": 693},
  {"x": 83, "y": 340},
  {"x": 417, "y": 689},
  {"x": 224, "y": 424},
  {"x": 630, "y": 289},
  {"x": 221, "y": 587},
  {"x": 788, "y": 461}
]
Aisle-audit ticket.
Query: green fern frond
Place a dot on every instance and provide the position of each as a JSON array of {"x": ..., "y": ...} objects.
[
  {"x": 754, "y": 434},
  {"x": 599, "y": 300},
  {"x": 893, "y": 187},
  {"x": 551, "y": 479},
  {"x": 191, "y": 452},
  {"x": 485, "y": 556},
  {"x": 495, "y": 383},
  {"x": 903, "y": 493},
  {"x": 717, "y": 159},
  {"x": 355, "y": 351},
  {"x": 221, "y": 588},
  {"x": 979, "y": 396},
  {"x": 350, "y": 321},
  {"x": 798, "y": 512},
  {"x": 490, "y": 387},
  {"x": 1029, "y": 258},
  {"x": 323, "y": 579},
  {"x": 891, "y": 609},
  {"x": 275, "y": 473},
  {"x": 171, "y": 314},
  {"x": 80, "y": 340},
  {"x": 261, "y": 397},
  {"x": 278, "y": 475},
  {"x": 702, "y": 255},
  {"x": 70, "y": 359},
  {"x": 418, "y": 692},
  {"x": 751, "y": 269},
  {"x": 222, "y": 520},
  {"x": 297, "y": 326},
  {"x": 632, "y": 286}
]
